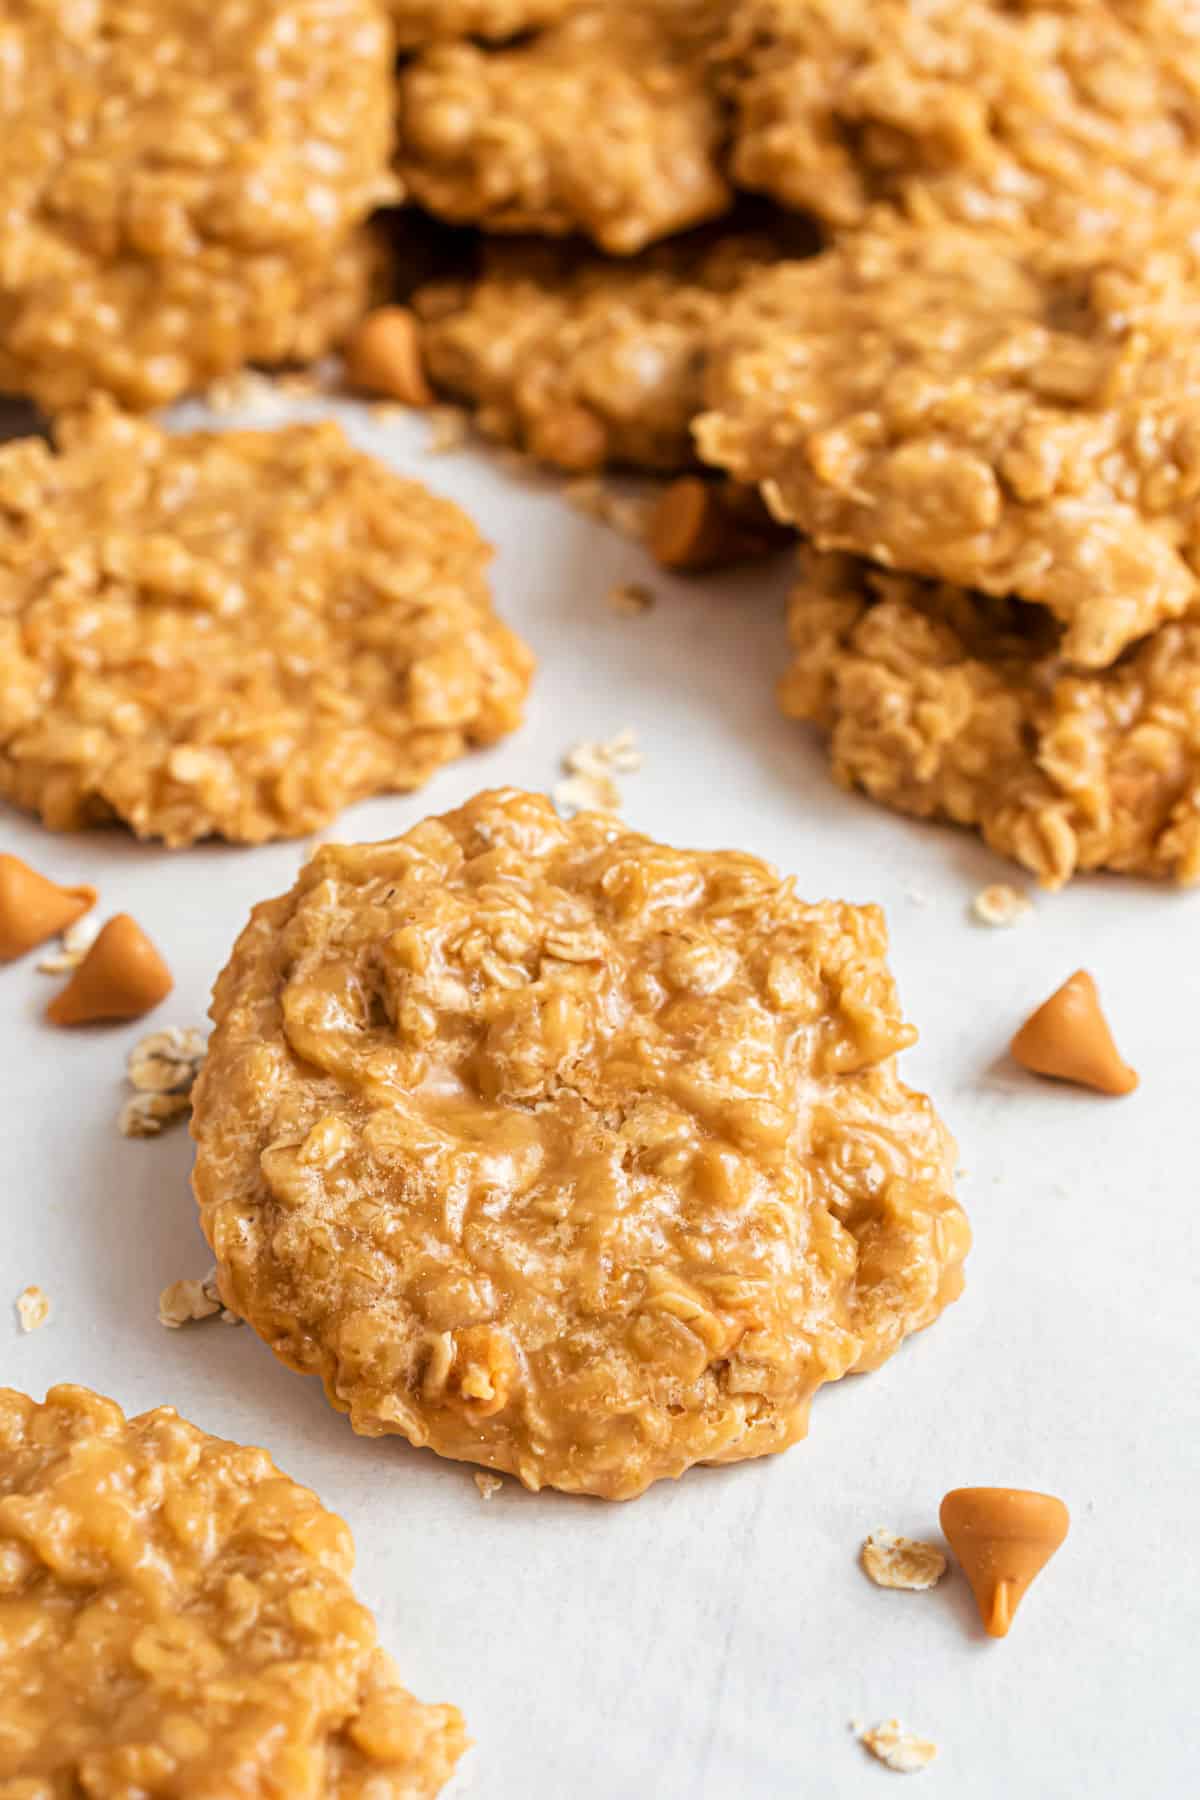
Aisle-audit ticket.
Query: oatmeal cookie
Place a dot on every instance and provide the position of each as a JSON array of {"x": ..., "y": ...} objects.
[
  {"x": 955, "y": 407},
  {"x": 582, "y": 361},
  {"x": 176, "y": 1618},
  {"x": 419, "y": 22},
  {"x": 234, "y": 634},
  {"x": 947, "y": 704},
  {"x": 1072, "y": 117},
  {"x": 603, "y": 124},
  {"x": 566, "y": 1153},
  {"x": 162, "y": 166}
]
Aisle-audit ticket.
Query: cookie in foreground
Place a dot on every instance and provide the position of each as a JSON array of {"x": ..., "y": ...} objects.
[
  {"x": 567, "y": 1153},
  {"x": 237, "y": 633},
  {"x": 176, "y": 1617},
  {"x": 948, "y": 704}
]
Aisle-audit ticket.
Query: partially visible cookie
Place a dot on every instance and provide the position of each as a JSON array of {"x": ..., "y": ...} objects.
[
  {"x": 234, "y": 634},
  {"x": 420, "y": 22},
  {"x": 176, "y": 1618},
  {"x": 949, "y": 704},
  {"x": 583, "y": 361},
  {"x": 1076, "y": 118},
  {"x": 960, "y": 407},
  {"x": 566, "y": 1153},
  {"x": 604, "y": 124}
]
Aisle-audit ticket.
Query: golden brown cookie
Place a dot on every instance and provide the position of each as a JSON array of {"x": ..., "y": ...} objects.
[
  {"x": 168, "y": 172},
  {"x": 176, "y": 1618},
  {"x": 947, "y": 704},
  {"x": 1077, "y": 118},
  {"x": 604, "y": 124},
  {"x": 563, "y": 1152},
  {"x": 583, "y": 361},
  {"x": 953, "y": 406},
  {"x": 419, "y": 22},
  {"x": 234, "y": 634}
]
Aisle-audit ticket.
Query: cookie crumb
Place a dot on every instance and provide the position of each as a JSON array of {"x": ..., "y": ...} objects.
[
  {"x": 899, "y": 1562},
  {"x": 1001, "y": 905},
  {"x": 181, "y": 1302},
  {"x": 897, "y": 1748},
  {"x": 449, "y": 430},
  {"x": 630, "y": 598},
  {"x": 71, "y": 948},
  {"x": 33, "y": 1308},
  {"x": 487, "y": 1484}
]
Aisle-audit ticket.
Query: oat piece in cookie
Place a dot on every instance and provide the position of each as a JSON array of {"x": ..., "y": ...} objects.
[
  {"x": 946, "y": 704},
  {"x": 177, "y": 1618},
  {"x": 565, "y": 1153},
  {"x": 183, "y": 187},
  {"x": 604, "y": 124},
  {"x": 1075, "y": 118},
  {"x": 956, "y": 407},
  {"x": 420, "y": 22},
  {"x": 582, "y": 361},
  {"x": 234, "y": 634}
]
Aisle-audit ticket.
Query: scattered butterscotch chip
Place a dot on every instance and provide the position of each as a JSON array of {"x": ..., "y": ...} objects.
[
  {"x": 487, "y": 1484},
  {"x": 33, "y": 908},
  {"x": 900, "y": 1562},
  {"x": 121, "y": 977},
  {"x": 897, "y": 1748},
  {"x": 1001, "y": 905},
  {"x": 33, "y": 1308},
  {"x": 383, "y": 356},
  {"x": 1003, "y": 1538},
  {"x": 1068, "y": 1038},
  {"x": 699, "y": 525}
]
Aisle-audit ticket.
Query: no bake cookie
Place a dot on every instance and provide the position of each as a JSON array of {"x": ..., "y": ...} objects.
[
  {"x": 949, "y": 704},
  {"x": 234, "y": 634},
  {"x": 958, "y": 407},
  {"x": 566, "y": 1153},
  {"x": 604, "y": 124},
  {"x": 420, "y": 22},
  {"x": 176, "y": 1618}
]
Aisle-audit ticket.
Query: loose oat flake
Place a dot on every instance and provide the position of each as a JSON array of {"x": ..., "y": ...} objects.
[
  {"x": 71, "y": 947},
  {"x": 449, "y": 429},
  {"x": 590, "y": 766},
  {"x": 897, "y": 1748},
  {"x": 33, "y": 1308},
  {"x": 1001, "y": 904},
  {"x": 167, "y": 1061},
  {"x": 630, "y": 598},
  {"x": 184, "y": 1301},
  {"x": 487, "y": 1484},
  {"x": 900, "y": 1562}
]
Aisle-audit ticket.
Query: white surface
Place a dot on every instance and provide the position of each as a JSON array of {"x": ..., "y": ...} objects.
[{"x": 714, "y": 1639}]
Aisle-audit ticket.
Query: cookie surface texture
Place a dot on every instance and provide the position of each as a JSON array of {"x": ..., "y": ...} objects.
[
  {"x": 176, "y": 1618},
  {"x": 566, "y": 1153},
  {"x": 236, "y": 633}
]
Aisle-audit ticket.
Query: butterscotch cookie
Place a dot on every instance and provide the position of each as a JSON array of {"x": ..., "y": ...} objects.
[
  {"x": 176, "y": 1618},
  {"x": 961, "y": 408},
  {"x": 583, "y": 361},
  {"x": 166, "y": 171},
  {"x": 604, "y": 124},
  {"x": 563, "y": 1152},
  {"x": 419, "y": 22},
  {"x": 234, "y": 634},
  {"x": 1074, "y": 117},
  {"x": 949, "y": 704}
]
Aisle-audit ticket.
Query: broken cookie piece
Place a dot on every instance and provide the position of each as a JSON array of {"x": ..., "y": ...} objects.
[
  {"x": 656, "y": 1080},
  {"x": 1068, "y": 1038},
  {"x": 234, "y": 633},
  {"x": 177, "y": 1614}
]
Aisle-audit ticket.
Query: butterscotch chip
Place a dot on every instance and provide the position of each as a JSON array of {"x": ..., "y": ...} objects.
[
  {"x": 121, "y": 977},
  {"x": 963, "y": 409},
  {"x": 603, "y": 124},
  {"x": 178, "y": 1619},
  {"x": 559, "y": 1151},
  {"x": 420, "y": 22},
  {"x": 946, "y": 704},
  {"x": 34, "y": 908},
  {"x": 1071, "y": 117},
  {"x": 184, "y": 186},
  {"x": 1068, "y": 1037},
  {"x": 701, "y": 525},
  {"x": 383, "y": 356},
  {"x": 235, "y": 633},
  {"x": 1003, "y": 1538},
  {"x": 581, "y": 361}
]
